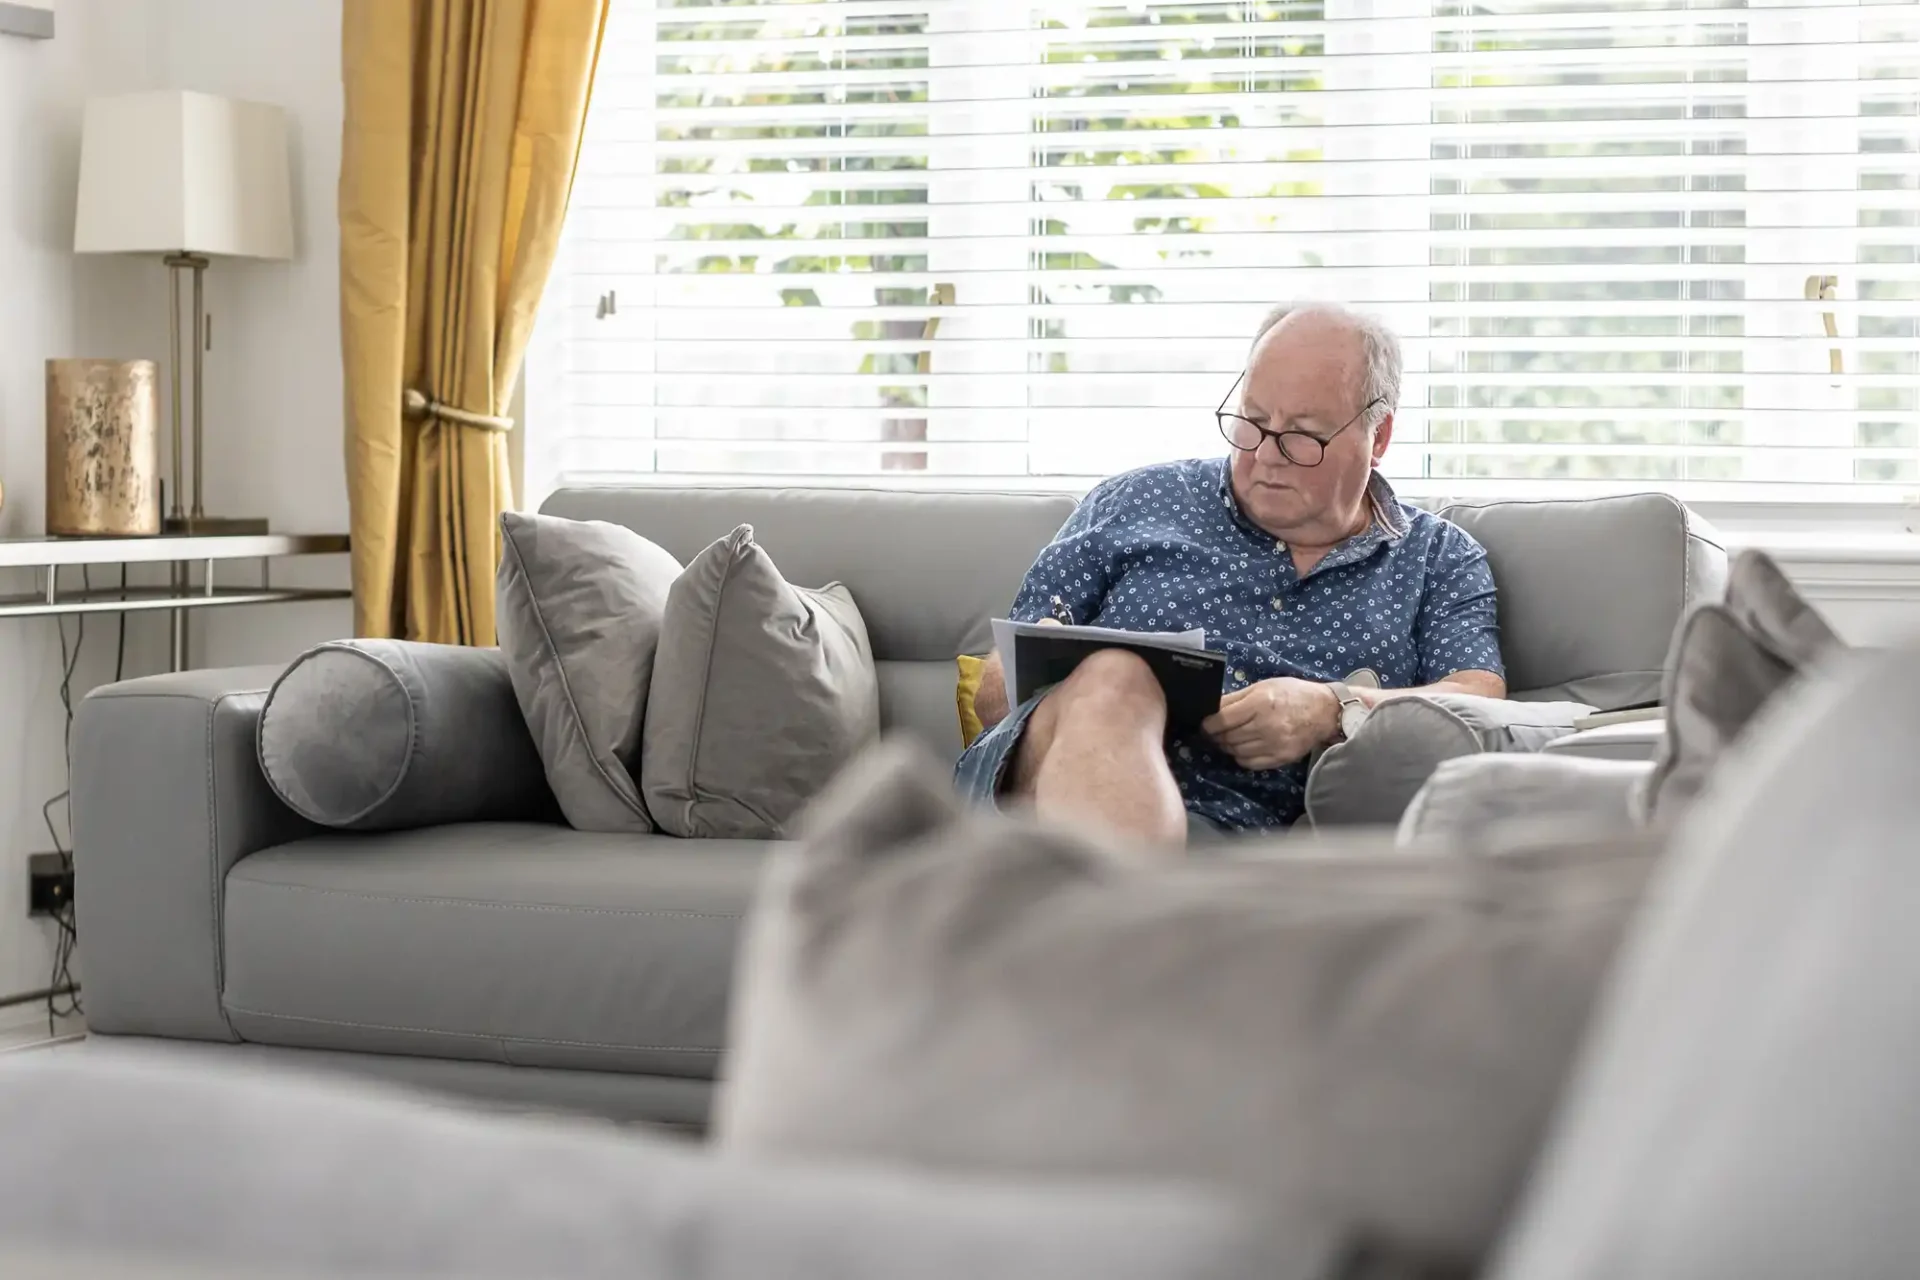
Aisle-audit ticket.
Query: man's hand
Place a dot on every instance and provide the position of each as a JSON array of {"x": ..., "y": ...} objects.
[{"x": 1275, "y": 722}]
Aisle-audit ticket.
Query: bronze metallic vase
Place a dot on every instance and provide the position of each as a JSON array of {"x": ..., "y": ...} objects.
[{"x": 103, "y": 448}]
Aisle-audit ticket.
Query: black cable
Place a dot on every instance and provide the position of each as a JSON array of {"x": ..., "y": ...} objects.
[
  {"x": 61, "y": 983},
  {"x": 120, "y": 646}
]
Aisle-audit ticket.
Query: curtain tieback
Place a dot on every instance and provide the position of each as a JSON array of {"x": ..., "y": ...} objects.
[{"x": 417, "y": 407}]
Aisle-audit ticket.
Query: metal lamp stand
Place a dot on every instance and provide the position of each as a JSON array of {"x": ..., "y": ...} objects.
[{"x": 196, "y": 521}]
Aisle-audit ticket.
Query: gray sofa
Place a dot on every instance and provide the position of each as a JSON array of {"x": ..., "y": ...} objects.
[{"x": 562, "y": 968}]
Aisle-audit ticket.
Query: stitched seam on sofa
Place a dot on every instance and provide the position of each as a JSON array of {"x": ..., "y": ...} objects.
[
  {"x": 1477, "y": 741},
  {"x": 108, "y": 693},
  {"x": 260, "y": 736},
  {"x": 215, "y": 900},
  {"x": 705, "y": 684},
  {"x": 430, "y": 900},
  {"x": 635, "y": 806},
  {"x": 1686, "y": 564},
  {"x": 413, "y": 731},
  {"x": 475, "y": 1035}
]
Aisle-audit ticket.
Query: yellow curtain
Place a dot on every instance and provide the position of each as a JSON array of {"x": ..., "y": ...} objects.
[{"x": 463, "y": 124}]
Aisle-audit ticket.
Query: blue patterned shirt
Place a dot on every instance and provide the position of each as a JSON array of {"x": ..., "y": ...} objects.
[{"x": 1166, "y": 548}]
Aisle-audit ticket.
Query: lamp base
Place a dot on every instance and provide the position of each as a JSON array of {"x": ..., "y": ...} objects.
[{"x": 213, "y": 526}]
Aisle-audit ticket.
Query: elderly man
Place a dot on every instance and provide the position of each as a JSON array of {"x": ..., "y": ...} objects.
[{"x": 1294, "y": 554}]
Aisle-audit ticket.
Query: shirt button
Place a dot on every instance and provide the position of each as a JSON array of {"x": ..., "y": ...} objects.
[
  {"x": 1241, "y": 676},
  {"x": 1278, "y": 604},
  {"x": 1279, "y": 545}
]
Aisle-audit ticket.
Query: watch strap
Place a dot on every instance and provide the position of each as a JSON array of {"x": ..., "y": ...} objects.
[{"x": 1353, "y": 712}]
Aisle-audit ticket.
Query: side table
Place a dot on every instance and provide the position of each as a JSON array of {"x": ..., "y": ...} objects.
[{"x": 48, "y": 556}]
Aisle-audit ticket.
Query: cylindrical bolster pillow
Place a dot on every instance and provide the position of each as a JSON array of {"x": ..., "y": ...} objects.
[
  {"x": 378, "y": 735},
  {"x": 1373, "y": 777}
]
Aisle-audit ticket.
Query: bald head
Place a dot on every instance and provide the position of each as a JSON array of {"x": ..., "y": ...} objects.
[{"x": 1373, "y": 364}]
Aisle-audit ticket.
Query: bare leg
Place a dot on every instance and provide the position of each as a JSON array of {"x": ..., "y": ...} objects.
[{"x": 1092, "y": 753}]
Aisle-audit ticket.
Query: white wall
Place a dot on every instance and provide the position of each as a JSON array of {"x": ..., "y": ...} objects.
[
  {"x": 42, "y": 84},
  {"x": 274, "y": 397},
  {"x": 273, "y": 377}
]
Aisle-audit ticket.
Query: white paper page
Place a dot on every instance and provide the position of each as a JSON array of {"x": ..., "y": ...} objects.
[{"x": 1005, "y": 630}]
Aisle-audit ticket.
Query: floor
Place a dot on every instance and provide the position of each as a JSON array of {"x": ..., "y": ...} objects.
[{"x": 24, "y": 1027}]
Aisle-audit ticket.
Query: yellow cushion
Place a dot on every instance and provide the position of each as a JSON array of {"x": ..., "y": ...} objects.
[{"x": 963, "y": 695}]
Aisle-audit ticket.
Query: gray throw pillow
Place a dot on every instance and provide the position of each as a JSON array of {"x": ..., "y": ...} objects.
[
  {"x": 377, "y": 735},
  {"x": 762, "y": 691},
  {"x": 579, "y": 614},
  {"x": 1728, "y": 660},
  {"x": 1338, "y": 1032},
  {"x": 1372, "y": 778}
]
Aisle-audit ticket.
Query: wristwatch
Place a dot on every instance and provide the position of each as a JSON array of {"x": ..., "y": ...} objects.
[{"x": 1353, "y": 712}]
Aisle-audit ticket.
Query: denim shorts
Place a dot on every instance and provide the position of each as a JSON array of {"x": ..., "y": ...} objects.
[{"x": 980, "y": 774}]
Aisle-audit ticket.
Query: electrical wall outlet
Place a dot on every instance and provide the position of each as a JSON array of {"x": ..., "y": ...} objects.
[{"x": 49, "y": 884}]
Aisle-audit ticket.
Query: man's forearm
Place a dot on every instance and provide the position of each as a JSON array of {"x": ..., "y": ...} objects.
[{"x": 1481, "y": 684}]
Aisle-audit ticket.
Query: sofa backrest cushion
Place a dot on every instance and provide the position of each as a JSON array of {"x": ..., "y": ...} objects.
[
  {"x": 927, "y": 570},
  {"x": 1592, "y": 590}
]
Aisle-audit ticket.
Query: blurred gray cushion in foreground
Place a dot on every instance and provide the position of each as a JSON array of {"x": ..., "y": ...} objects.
[
  {"x": 1347, "y": 1033},
  {"x": 267, "y": 1174},
  {"x": 1747, "y": 1105}
]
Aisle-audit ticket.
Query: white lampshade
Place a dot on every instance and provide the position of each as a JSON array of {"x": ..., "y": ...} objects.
[{"x": 180, "y": 172}]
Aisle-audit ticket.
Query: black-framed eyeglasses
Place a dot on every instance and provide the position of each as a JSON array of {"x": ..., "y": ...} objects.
[{"x": 1301, "y": 448}]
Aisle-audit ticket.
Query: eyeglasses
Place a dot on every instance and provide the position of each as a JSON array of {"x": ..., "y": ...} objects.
[{"x": 1301, "y": 448}]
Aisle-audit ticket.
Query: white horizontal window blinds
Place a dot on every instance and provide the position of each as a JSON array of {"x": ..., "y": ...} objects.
[
  {"x": 1886, "y": 132},
  {"x": 1644, "y": 248},
  {"x": 1626, "y": 242},
  {"x": 1188, "y": 172},
  {"x": 749, "y": 253}
]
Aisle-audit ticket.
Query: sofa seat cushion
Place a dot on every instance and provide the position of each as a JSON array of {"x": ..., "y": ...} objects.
[
  {"x": 514, "y": 943},
  {"x": 1635, "y": 740}
]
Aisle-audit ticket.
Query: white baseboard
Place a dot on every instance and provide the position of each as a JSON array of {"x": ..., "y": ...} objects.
[{"x": 25, "y": 1024}]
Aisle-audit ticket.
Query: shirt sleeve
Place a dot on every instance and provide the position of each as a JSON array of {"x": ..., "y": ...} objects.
[
  {"x": 1077, "y": 566},
  {"x": 1459, "y": 627}
]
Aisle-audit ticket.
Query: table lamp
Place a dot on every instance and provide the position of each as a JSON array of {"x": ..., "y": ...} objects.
[{"x": 189, "y": 176}]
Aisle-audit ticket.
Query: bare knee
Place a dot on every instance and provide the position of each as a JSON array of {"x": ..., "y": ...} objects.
[
  {"x": 1111, "y": 691},
  {"x": 1116, "y": 686}
]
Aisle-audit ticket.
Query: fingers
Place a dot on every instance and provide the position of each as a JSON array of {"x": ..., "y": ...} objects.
[{"x": 1236, "y": 710}]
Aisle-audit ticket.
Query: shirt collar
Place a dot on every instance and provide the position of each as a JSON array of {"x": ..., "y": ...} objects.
[{"x": 1389, "y": 525}]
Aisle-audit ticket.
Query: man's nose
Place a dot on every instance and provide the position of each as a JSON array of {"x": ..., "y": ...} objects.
[{"x": 1269, "y": 453}]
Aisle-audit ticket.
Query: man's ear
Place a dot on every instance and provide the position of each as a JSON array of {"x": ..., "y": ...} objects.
[{"x": 1382, "y": 437}]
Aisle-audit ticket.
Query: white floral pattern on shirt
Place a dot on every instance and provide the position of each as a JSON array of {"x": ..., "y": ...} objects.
[{"x": 1166, "y": 548}]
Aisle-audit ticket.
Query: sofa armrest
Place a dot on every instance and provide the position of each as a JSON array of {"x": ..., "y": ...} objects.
[
  {"x": 167, "y": 796},
  {"x": 1633, "y": 740},
  {"x": 1370, "y": 778},
  {"x": 1468, "y": 797}
]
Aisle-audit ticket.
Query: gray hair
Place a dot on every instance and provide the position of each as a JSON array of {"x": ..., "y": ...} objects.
[{"x": 1379, "y": 347}]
